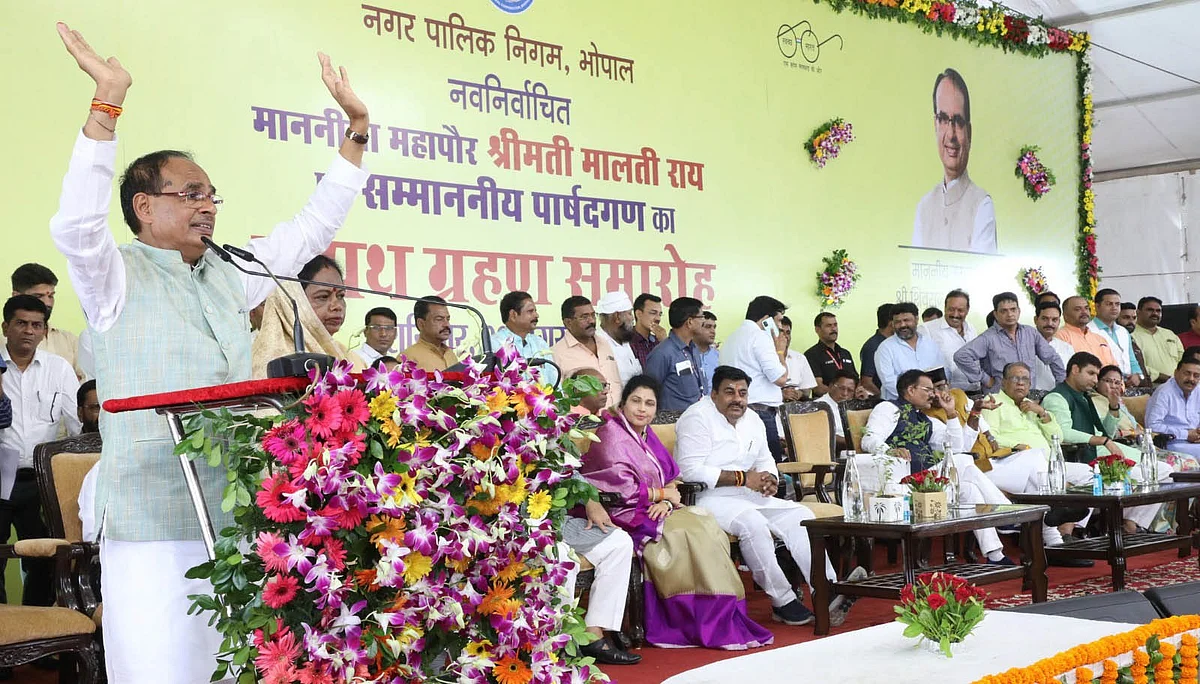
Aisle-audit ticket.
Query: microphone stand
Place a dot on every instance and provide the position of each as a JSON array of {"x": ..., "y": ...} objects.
[{"x": 297, "y": 364}]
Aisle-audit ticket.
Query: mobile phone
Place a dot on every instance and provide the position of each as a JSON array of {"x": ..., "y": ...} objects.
[{"x": 768, "y": 324}]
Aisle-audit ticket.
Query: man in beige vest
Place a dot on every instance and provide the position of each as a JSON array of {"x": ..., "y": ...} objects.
[{"x": 956, "y": 213}]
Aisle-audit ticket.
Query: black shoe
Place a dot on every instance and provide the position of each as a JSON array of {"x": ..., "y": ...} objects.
[
  {"x": 605, "y": 652},
  {"x": 1071, "y": 562},
  {"x": 1005, "y": 560},
  {"x": 793, "y": 613}
]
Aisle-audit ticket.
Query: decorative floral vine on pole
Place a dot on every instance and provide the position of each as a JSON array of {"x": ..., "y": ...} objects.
[
  {"x": 826, "y": 142},
  {"x": 1034, "y": 282},
  {"x": 835, "y": 282},
  {"x": 1038, "y": 178}
]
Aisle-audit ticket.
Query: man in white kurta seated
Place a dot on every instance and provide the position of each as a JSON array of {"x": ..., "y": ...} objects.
[
  {"x": 910, "y": 438},
  {"x": 720, "y": 443}
]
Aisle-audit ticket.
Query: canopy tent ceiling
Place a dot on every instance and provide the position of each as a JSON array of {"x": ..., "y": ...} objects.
[{"x": 1146, "y": 118}]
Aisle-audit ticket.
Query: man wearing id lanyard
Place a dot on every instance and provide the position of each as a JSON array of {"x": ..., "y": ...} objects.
[
  {"x": 675, "y": 362},
  {"x": 41, "y": 387}
]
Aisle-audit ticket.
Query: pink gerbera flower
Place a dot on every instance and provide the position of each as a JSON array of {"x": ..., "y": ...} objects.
[
  {"x": 324, "y": 415},
  {"x": 272, "y": 499},
  {"x": 279, "y": 591},
  {"x": 279, "y": 653},
  {"x": 334, "y": 552},
  {"x": 271, "y": 549},
  {"x": 354, "y": 409},
  {"x": 285, "y": 441}
]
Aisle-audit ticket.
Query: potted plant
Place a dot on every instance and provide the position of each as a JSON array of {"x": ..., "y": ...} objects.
[
  {"x": 928, "y": 494},
  {"x": 1114, "y": 472},
  {"x": 941, "y": 609}
]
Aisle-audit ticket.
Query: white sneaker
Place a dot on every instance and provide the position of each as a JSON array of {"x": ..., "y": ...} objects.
[{"x": 839, "y": 607}]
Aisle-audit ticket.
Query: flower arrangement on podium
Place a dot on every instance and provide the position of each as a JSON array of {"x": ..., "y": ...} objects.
[
  {"x": 837, "y": 279},
  {"x": 1038, "y": 178},
  {"x": 1033, "y": 279},
  {"x": 941, "y": 609},
  {"x": 1114, "y": 470},
  {"x": 826, "y": 142},
  {"x": 928, "y": 494},
  {"x": 401, "y": 529}
]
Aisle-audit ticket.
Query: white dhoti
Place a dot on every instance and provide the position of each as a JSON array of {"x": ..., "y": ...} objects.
[
  {"x": 149, "y": 638},
  {"x": 1184, "y": 447},
  {"x": 1144, "y": 515},
  {"x": 612, "y": 559},
  {"x": 756, "y": 521},
  {"x": 1020, "y": 473}
]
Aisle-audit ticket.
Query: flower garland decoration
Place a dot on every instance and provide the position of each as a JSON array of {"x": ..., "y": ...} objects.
[
  {"x": 1152, "y": 654},
  {"x": 1033, "y": 279},
  {"x": 940, "y": 607},
  {"x": 1000, "y": 27},
  {"x": 835, "y": 282},
  {"x": 398, "y": 529},
  {"x": 826, "y": 142},
  {"x": 1038, "y": 178}
]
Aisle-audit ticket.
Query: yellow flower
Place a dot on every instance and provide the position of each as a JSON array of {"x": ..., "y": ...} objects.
[
  {"x": 394, "y": 432},
  {"x": 518, "y": 403},
  {"x": 408, "y": 491},
  {"x": 539, "y": 505},
  {"x": 416, "y": 566},
  {"x": 479, "y": 649},
  {"x": 382, "y": 406},
  {"x": 497, "y": 401},
  {"x": 385, "y": 528}
]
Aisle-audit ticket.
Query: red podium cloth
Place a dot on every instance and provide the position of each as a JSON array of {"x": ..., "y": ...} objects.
[{"x": 200, "y": 395}]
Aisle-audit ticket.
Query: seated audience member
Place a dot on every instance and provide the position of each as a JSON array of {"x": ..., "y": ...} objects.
[
  {"x": 89, "y": 422},
  {"x": 1045, "y": 297},
  {"x": 866, "y": 356},
  {"x": 1128, "y": 320},
  {"x": 1128, "y": 317},
  {"x": 827, "y": 357},
  {"x": 931, "y": 314},
  {"x": 952, "y": 333},
  {"x": 694, "y": 595},
  {"x": 1161, "y": 348},
  {"x": 647, "y": 333},
  {"x": 581, "y": 347},
  {"x": 1174, "y": 409},
  {"x": 720, "y": 443},
  {"x": 41, "y": 388},
  {"x": 1008, "y": 341},
  {"x": 675, "y": 362},
  {"x": 762, "y": 358},
  {"x": 800, "y": 382},
  {"x": 1072, "y": 407},
  {"x": 38, "y": 281},
  {"x": 616, "y": 328},
  {"x": 910, "y": 438},
  {"x": 842, "y": 387},
  {"x": 379, "y": 331},
  {"x": 1076, "y": 332},
  {"x": 907, "y": 349},
  {"x": 1046, "y": 321},
  {"x": 1128, "y": 428},
  {"x": 706, "y": 345},
  {"x": 88, "y": 407},
  {"x": 1191, "y": 337},
  {"x": 1108, "y": 310},
  {"x": 322, "y": 312},
  {"x": 432, "y": 351},
  {"x": 592, "y": 404},
  {"x": 520, "y": 316}
]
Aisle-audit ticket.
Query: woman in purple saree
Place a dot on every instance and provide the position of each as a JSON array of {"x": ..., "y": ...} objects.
[{"x": 693, "y": 593}]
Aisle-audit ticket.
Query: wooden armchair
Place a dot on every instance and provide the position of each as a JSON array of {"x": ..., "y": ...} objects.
[{"x": 808, "y": 428}]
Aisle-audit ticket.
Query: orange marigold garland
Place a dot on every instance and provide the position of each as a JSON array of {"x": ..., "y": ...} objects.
[
  {"x": 1188, "y": 652},
  {"x": 1083, "y": 675},
  {"x": 1110, "y": 672}
]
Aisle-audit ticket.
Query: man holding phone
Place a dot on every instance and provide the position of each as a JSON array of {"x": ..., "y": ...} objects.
[{"x": 759, "y": 350}]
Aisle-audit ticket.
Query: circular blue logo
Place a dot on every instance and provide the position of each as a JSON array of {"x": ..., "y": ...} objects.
[{"x": 512, "y": 6}]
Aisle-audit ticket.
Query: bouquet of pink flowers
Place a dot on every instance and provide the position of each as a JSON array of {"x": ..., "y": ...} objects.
[
  {"x": 826, "y": 142},
  {"x": 1038, "y": 178},
  {"x": 398, "y": 529},
  {"x": 837, "y": 279},
  {"x": 1034, "y": 281}
]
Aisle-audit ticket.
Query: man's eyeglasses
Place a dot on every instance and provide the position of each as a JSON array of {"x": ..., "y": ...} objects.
[
  {"x": 192, "y": 198},
  {"x": 958, "y": 120},
  {"x": 1020, "y": 380},
  {"x": 930, "y": 389},
  {"x": 383, "y": 328}
]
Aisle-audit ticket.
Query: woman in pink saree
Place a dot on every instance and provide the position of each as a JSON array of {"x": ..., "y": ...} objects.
[{"x": 693, "y": 593}]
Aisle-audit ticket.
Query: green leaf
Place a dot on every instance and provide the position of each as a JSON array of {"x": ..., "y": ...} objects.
[
  {"x": 945, "y": 644},
  {"x": 242, "y": 656},
  {"x": 913, "y": 630},
  {"x": 198, "y": 440},
  {"x": 229, "y": 500},
  {"x": 201, "y": 571},
  {"x": 234, "y": 559}
]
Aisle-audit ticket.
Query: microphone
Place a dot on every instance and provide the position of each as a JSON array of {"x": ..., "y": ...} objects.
[
  {"x": 487, "y": 357},
  {"x": 293, "y": 365}
]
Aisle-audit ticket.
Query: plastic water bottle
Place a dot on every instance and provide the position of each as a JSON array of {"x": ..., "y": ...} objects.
[
  {"x": 1097, "y": 481},
  {"x": 949, "y": 471},
  {"x": 853, "y": 508},
  {"x": 1149, "y": 459},
  {"x": 1058, "y": 466}
]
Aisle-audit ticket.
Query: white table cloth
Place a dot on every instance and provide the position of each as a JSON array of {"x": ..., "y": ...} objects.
[{"x": 881, "y": 653}]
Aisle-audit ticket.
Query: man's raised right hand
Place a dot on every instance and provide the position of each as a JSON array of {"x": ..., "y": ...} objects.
[{"x": 112, "y": 80}]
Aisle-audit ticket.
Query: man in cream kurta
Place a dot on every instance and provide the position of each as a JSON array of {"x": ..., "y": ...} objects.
[
  {"x": 956, "y": 213},
  {"x": 722, "y": 444},
  {"x": 165, "y": 315}
]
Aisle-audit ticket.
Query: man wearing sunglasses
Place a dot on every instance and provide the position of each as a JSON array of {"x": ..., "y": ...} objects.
[
  {"x": 164, "y": 314},
  {"x": 956, "y": 214}
]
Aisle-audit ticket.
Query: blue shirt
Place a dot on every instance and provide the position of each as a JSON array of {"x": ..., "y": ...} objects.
[
  {"x": 1135, "y": 368},
  {"x": 682, "y": 385},
  {"x": 532, "y": 346},
  {"x": 1169, "y": 413},
  {"x": 709, "y": 361},
  {"x": 895, "y": 356}
]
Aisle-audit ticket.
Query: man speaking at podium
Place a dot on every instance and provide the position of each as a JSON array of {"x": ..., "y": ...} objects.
[{"x": 166, "y": 315}]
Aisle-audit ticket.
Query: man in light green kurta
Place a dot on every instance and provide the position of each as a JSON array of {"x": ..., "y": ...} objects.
[{"x": 1161, "y": 348}]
